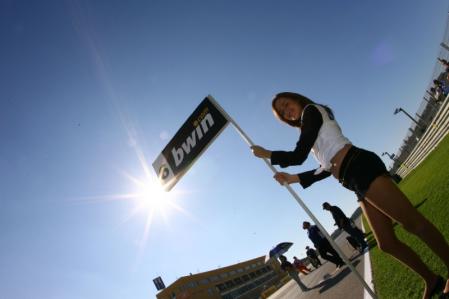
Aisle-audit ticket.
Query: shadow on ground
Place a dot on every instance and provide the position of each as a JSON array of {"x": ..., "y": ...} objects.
[{"x": 330, "y": 281}]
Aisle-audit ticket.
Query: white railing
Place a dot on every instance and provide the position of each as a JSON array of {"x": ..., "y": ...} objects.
[{"x": 435, "y": 132}]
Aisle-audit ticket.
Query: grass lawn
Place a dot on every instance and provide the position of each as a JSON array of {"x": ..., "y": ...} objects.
[{"x": 428, "y": 188}]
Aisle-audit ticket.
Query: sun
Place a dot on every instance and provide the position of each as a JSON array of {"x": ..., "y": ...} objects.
[
  {"x": 154, "y": 202},
  {"x": 153, "y": 196},
  {"x": 151, "y": 199}
]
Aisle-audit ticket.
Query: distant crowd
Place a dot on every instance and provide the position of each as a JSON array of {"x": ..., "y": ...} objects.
[{"x": 440, "y": 88}]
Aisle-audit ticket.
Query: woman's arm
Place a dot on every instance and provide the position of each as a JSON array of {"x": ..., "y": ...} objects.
[
  {"x": 311, "y": 125},
  {"x": 308, "y": 178},
  {"x": 305, "y": 178}
]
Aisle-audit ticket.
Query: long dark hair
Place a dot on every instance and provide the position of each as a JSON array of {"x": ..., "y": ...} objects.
[{"x": 302, "y": 101}]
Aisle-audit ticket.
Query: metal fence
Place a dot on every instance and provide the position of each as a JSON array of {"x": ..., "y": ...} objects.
[
  {"x": 435, "y": 132},
  {"x": 432, "y": 122}
]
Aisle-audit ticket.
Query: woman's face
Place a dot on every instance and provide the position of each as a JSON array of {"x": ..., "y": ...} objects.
[{"x": 288, "y": 108}]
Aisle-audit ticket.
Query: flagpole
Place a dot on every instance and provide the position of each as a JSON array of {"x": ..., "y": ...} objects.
[{"x": 298, "y": 199}]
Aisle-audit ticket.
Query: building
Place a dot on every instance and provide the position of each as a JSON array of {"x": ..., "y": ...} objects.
[{"x": 245, "y": 280}]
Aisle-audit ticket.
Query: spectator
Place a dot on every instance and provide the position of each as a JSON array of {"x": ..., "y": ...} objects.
[
  {"x": 442, "y": 79},
  {"x": 347, "y": 225},
  {"x": 288, "y": 267},
  {"x": 325, "y": 249},
  {"x": 443, "y": 62},
  {"x": 437, "y": 94},
  {"x": 300, "y": 266},
  {"x": 313, "y": 257}
]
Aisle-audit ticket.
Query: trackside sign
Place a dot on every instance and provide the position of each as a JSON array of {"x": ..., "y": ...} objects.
[{"x": 195, "y": 135}]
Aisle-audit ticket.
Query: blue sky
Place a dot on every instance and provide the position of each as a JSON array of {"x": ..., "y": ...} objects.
[{"x": 91, "y": 92}]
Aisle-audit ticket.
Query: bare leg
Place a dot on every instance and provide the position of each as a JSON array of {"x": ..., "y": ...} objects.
[
  {"x": 387, "y": 241},
  {"x": 386, "y": 197}
]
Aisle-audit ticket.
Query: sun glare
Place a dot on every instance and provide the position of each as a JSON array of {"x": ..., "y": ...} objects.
[
  {"x": 153, "y": 196},
  {"x": 154, "y": 202},
  {"x": 151, "y": 202}
]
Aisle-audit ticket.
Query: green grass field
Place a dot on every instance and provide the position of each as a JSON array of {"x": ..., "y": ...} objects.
[{"x": 428, "y": 188}]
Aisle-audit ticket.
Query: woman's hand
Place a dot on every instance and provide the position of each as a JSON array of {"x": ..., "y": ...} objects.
[
  {"x": 260, "y": 152},
  {"x": 283, "y": 177}
]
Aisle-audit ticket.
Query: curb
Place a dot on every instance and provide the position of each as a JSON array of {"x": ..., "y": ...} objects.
[{"x": 367, "y": 271}]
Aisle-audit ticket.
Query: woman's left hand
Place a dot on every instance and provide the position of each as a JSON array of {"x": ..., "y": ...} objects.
[
  {"x": 283, "y": 177},
  {"x": 260, "y": 152}
]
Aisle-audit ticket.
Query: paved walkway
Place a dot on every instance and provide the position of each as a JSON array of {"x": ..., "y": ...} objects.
[{"x": 325, "y": 282}]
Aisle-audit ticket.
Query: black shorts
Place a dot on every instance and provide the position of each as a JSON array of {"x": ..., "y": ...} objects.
[{"x": 359, "y": 169}]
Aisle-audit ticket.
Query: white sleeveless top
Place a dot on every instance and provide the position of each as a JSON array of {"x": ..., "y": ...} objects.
[{"x": 329, "y": 141}]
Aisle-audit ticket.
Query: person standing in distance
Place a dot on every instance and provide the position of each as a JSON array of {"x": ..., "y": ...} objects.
[
  {"x": 313, "y": 257},
  {"x": 300, "y": 266},
  {"x": 288, "y": 267},
  {"x": 346, "y": 224},
  {"x": 323, "y": 246}
]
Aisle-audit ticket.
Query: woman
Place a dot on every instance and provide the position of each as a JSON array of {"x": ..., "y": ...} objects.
[
  {"x": 360, "y": 171},
  {"x": 288, "y": 267}
]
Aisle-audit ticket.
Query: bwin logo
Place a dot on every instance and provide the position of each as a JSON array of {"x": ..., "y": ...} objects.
[
  {"x": 163, "y": 172},
  {"x": 190, "y": 143}
]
